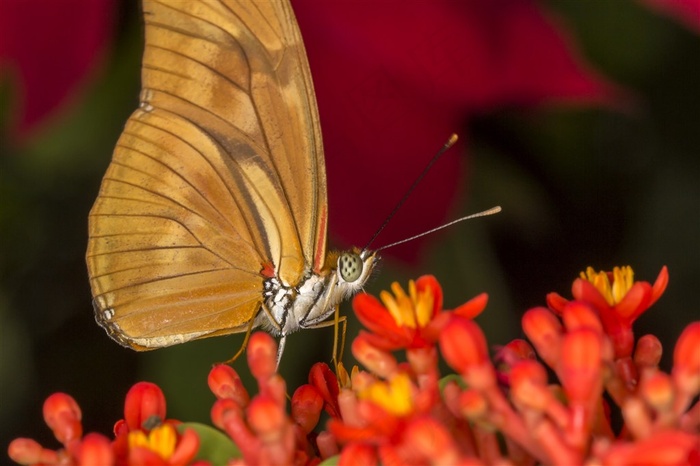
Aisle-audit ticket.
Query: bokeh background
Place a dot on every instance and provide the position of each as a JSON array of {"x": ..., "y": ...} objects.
[{"x": 581, "y": 119}]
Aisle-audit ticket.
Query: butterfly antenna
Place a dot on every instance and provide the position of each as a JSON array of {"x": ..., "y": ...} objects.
[
  {"x": 450, "y": 142},
  {"x": 491, "y": 211}
]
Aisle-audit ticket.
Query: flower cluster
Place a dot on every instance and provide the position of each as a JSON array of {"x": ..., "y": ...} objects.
[
  {"x": 144, "y": 436},
  {"x": 400, "y": 409}
]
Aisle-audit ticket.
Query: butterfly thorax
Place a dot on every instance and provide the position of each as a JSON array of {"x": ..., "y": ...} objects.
[{"x": 288, "y": 308}]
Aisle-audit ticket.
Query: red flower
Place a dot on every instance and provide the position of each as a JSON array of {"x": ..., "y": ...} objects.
[
  {"x": 401, "y": 413},
  {"x": 49, "y": 49},
  {"x": 617, "y": 298},
  {"x": 685, "y": 11},
  {"x": 412, "y": 320},
  {"x": 260, "y": 425},
  {"x": 394, "y": 79},
  {"x": 141, "y": 438}
]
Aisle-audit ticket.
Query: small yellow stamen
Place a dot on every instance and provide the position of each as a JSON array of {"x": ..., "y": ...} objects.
[
  {"x": 622, "y": 281},
  {"x": 161, "y": 440},
  {"x": 399, "y": 306},
  {"x": 394, "y": 396},
  {"x": 423, "y": 303},
  {"x": 412, "y": 310}
]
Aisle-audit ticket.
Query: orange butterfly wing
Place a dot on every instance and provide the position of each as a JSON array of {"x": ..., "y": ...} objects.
[{"x": 218, "y": 175}]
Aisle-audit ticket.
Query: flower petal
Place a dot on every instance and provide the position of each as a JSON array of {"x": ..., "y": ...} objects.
[
  {"x": 473, "y": 307},
  {"x": 373, "y": 315}
]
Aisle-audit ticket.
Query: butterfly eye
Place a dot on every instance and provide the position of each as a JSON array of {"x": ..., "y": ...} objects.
[{"x": 350, "y": 267}]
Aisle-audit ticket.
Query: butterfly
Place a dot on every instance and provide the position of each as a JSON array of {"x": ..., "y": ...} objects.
[{"x": 212, "y": 216}]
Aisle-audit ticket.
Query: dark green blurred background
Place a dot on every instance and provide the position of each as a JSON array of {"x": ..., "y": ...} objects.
[{"x": 579, "y": 187}]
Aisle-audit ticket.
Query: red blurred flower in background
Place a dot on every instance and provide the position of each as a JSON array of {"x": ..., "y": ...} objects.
[
  {"x": 394, "y": 79},
  {"x": 48, "y": 51},
  {"x": 685, "y": 11}
]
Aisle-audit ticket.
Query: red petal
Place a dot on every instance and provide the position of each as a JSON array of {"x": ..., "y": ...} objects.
[
  {"x": 429, "y": 282},
  {"x": 584, "y": 290},
  {"x": 186, "y": 449},
  {"x": 659, "y": 285},
  {"x": 325, "y": 381},
  {"x": 473, "y": 307},
  {"x": 144, "y": 457},
  {"x": 556, "y": 302},
  {"x": 390, "y": 341},
  {"x": 373, "y": 315},
  {"x": 635, "y": 302}
]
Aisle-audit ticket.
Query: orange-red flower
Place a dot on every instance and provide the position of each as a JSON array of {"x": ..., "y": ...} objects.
[
  {"x": 618, "y": 300},
  {"x": 259, "y": 425},
  {"x": 402, "y": 413},
  {"x": 143, "y": 437},
  {"x": 412, "y": 320}
]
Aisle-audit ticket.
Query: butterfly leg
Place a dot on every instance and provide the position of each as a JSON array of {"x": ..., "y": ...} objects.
[
  {"x": 248, "y": 331},
  {"x": 338, "y": 352}
]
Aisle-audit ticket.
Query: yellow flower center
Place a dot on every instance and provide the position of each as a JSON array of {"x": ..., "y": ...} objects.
[
  {"x": 615, "y": 291},
  {"x": 161, "y": 440},
  {"x": 395, "y": 396},
  {"x": 412, "y": 310}
]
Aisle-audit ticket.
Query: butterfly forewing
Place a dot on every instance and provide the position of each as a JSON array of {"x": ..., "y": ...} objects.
[{"x": 218, "y": 175}]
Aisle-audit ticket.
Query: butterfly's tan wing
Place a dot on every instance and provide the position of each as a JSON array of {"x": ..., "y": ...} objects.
[{"x": 218, "y": 175}]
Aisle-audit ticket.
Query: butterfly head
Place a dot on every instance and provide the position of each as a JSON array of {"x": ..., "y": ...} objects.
[{"x": 353, "y": 269}]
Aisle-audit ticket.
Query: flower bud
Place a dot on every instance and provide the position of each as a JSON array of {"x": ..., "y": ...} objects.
[
  {"x": 657, "y": 391},
  {"x": 265, "y": 416},
  {"x": 62, "y": 414},
  {"x": 544, "y": 330},
  {"x": 580, "y": 368},
  {"x": 463, "y": 344},
  {"x": 306, "y": 407},
  {"x": 28, "y": 451},
  {"x": 262, "y": 355},
  {"x": 224, "y": 382},
  {"x": 144, "y": 402},
  {"x": 648, "y": 352},
  {"x": 686, "y": 360},
  {"x": 95, "y": 449},
  {"x": 578, "y": 314}
]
